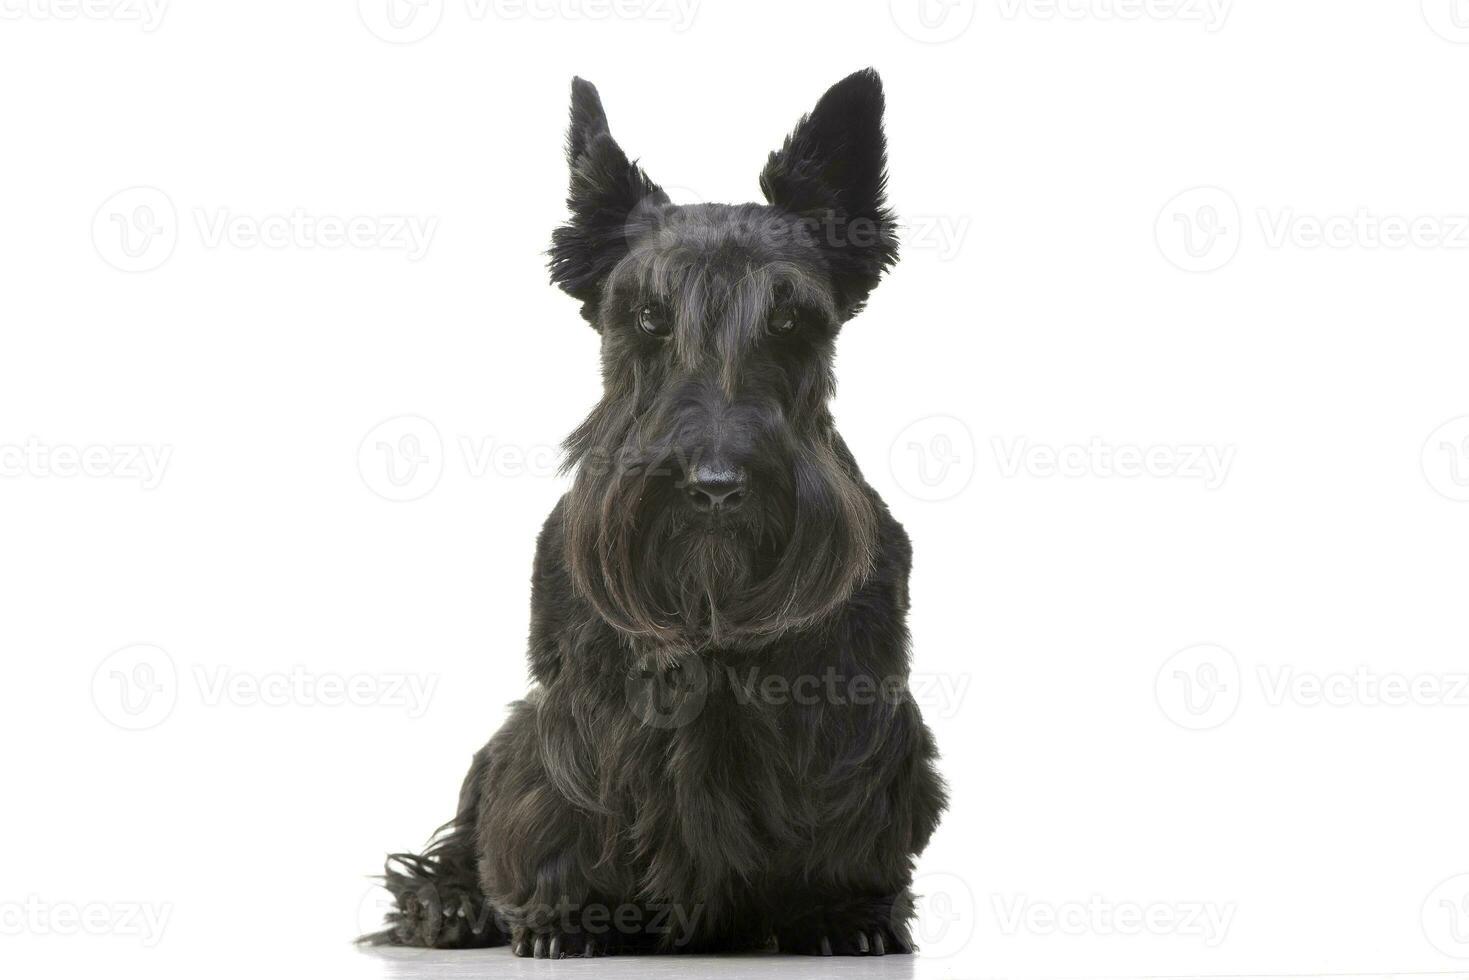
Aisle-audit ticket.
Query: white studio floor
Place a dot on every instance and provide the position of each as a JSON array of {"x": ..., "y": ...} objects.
[
  {"x": 403, "y": 964},
  {"x": 413, "y": 964}
]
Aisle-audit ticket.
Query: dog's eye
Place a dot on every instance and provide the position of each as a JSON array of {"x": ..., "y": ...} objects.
[
  {"x": 654, "y": 322},
  {"x": 782, "y": 322}
]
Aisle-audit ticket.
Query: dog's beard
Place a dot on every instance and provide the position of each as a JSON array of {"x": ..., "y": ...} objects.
[{"x": 675, "y": 581}]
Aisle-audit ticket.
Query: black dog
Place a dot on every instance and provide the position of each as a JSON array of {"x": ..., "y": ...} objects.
[{"x": 720, "y": 750}]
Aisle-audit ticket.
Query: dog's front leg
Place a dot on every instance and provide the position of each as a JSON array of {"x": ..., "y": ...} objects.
[
  {"x": 539, "y": 863},
  {"x": 851, "y": 896}
]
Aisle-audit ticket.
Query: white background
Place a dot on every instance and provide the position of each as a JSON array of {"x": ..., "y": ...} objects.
[{"x": 1058, "y": 302}]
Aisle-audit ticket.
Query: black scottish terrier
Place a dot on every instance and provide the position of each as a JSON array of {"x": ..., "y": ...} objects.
[{"x": 720, "y": 751}]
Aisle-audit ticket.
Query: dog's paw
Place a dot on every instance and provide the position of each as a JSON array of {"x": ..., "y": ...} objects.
[
  {"x": 444, "y": 919},
  {"x": 868, "y": 940},
  {"x": 553, "y": 944}
]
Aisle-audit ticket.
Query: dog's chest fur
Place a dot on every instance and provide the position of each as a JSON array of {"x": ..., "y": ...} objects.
[{"x": 717, "y": 776}]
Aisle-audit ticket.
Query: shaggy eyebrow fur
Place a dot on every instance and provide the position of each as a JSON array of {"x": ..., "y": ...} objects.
[{"x": 719, "y": 273}]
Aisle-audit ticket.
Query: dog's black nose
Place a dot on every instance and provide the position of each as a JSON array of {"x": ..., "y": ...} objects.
[{"x": 716, "y": 486}]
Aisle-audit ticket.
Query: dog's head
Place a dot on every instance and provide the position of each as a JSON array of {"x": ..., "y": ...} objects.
[{"x": 714, "y": 504}]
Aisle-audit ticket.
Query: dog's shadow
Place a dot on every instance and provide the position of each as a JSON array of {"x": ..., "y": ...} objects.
[{"x": 401, "y": 963}]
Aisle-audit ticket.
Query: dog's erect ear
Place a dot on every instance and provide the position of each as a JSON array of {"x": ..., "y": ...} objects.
[
  {"x": 832, "y": 171},
  {"x": 606, "y": 192}
]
